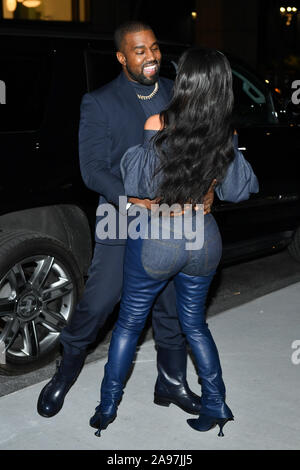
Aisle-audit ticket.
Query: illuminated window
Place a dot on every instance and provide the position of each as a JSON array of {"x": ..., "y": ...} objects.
[{"x": 46, "y": 10}]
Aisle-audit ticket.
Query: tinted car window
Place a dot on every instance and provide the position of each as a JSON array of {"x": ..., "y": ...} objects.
[
  {"x": 25, "y": 81},
  {"x": 252, "y": 101},
  {"x": 102, "y": 67}
]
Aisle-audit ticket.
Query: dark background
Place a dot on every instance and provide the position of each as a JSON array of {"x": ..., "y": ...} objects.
[{"x": 253, "y": 30}]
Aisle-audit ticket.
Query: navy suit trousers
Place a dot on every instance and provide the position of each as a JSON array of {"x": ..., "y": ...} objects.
[{"x": 103, "y": 291}]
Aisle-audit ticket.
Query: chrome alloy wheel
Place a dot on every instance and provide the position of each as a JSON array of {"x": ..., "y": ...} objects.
[{"x": 36, "y": 301}]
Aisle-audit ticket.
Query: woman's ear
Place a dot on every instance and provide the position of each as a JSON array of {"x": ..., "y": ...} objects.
[{"x": 121, "y": 58}]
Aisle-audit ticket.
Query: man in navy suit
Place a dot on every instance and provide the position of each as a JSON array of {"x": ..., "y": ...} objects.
[{"x": 112, "y": 120}]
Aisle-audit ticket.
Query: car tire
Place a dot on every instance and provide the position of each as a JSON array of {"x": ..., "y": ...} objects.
[
  {"x": 40, "y": 284},
  {"x": 294, "y": 246}
]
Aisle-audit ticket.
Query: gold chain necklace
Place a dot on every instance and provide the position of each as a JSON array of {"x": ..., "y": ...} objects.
[{"x": 148, "y": 97}]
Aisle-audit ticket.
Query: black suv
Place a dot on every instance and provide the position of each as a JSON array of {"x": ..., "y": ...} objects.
[{"x": 47, "y": 215}]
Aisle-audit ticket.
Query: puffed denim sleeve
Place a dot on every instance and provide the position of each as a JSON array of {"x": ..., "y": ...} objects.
[
  {"x": 240, "y": 180},
  {"x": 138, "y": 166},
  {"x": 139, "y": 163}
]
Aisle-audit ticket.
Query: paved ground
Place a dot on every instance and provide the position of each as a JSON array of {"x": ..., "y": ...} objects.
[
  {"x": 259, "y": 345},
  {"x": 232, "y": 286}
]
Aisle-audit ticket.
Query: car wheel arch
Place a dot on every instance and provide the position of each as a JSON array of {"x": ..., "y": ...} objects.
[{"x": 66, "y": 223}]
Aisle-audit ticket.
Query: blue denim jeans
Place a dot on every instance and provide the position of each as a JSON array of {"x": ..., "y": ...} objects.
[{"x": 163, "y": 258}]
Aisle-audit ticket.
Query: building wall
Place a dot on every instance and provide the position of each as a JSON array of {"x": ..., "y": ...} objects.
[{"x": 229, "y": 25}]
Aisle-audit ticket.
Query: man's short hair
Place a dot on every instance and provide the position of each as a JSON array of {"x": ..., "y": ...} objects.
[{"x": 128, "y": 27}]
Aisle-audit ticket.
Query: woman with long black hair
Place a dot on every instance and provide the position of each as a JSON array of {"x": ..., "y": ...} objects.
[{"x": 188, "y": 147}]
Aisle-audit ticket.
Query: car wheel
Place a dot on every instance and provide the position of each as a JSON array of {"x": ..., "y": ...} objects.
[
  {"x": 40, "y": 283},
  {"x": 294, "y": 246}
]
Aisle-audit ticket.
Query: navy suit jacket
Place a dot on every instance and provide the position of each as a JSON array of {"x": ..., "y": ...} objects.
[{"x": 111, "y": 121}]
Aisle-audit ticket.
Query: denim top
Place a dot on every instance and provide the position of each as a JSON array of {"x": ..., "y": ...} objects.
[{"x": 139, "y": 163}]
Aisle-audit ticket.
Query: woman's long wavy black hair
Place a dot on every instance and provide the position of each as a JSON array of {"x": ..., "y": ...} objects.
[{"x": 196, "y": 145}]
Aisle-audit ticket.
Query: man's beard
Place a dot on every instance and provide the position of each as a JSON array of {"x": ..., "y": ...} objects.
[{"x": 140, "y": 78}]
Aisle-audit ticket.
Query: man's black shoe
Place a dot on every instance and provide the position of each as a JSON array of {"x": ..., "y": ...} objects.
[
  {"x": 171, "y": 384},
  {"x": 52, "y": 396}
]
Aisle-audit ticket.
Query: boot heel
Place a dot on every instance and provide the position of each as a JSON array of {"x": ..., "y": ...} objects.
[
  {"x": 205, "y": 423},
  {"x": 221, "y": 423},
  {"x": 101, "y": 422},
  {"x": 104, "y": 426},
  {"x": 161, "y": 401}
]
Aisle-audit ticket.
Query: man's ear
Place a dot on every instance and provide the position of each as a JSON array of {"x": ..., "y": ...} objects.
[{"x": 121, "y": 58}]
